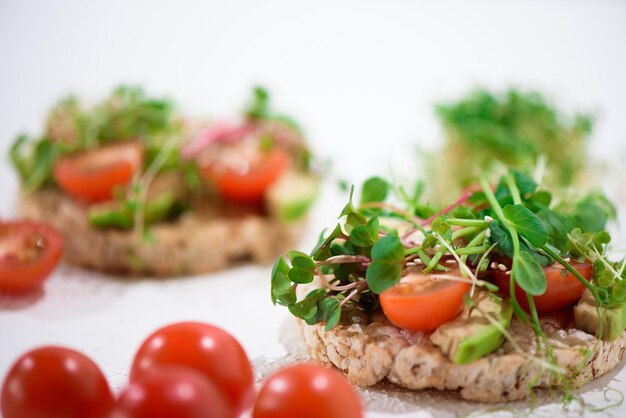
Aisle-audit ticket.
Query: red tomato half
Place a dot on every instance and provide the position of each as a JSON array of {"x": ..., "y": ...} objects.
[
  {"x": 248, "y": 187},
  {"x": 421, "y": 303},
  {"x": 172, "y": 393},
  {"x": 205, "y": 348},
  {"x": 55, "y": 382},
  {"x": 307, "y": 391},
  {"x": 92, "y": 176},
  {"x": 29, "y": 251},
  {"x": 563, "y": 287}
]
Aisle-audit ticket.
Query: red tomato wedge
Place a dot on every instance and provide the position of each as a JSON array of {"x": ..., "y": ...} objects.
[
  {"x": 563, "y": 287},
  {"x": 248, "y": 186},
  {"x": 55, "y": 382},
  {"x": 92, "y": 176},
  {"x": 307, "y": 391},
  {"x": 423, "y": 303},
  {"x": 29, "y": 251}
]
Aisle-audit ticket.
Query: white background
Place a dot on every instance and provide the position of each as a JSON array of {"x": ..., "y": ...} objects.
[{"x": 361, "y": 76}]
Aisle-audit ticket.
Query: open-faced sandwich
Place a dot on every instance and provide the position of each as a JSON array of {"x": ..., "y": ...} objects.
[
  {"x": 505, "y": 290},
  {"x": 135, "y": 188}
]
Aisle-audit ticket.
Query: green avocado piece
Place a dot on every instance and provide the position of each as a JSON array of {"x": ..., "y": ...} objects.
[
  {"x": 290, "y": 198},
  {"x": 123, "y": 217},
  {"x": 472, "y": 335},
  {"x": 587, "y": 318}
]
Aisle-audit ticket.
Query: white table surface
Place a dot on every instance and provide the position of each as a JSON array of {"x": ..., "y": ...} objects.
[{"x": 360, "y": 75}]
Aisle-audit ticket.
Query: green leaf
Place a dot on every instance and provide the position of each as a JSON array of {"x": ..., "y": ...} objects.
[
  {"x": 353, "y": 217},
  {"x": 365, "y": 236},
  {"x": 282, "y": 291},
  {"x": 307, "y": 307},
  {"x": 541, "y": 199},
  {"x": 331, "y": 312},
  {"x": 375, "y": 189},
  {"x": 442, "y": 227},
  {"x": 600, "y": 240},
  {"x": 557, "y": 226},
  {"x": 500, "y": 236},
  {"x": 601, "y": 275},
  {"x": 321, "y": 250},
  {"x": 387, "y": 262},
  {"x": 528, "y": 274},
  {"x": 592, "y": 213},
  {"x": 527, "y": 224},
  {"x": 302, "y": 268}
]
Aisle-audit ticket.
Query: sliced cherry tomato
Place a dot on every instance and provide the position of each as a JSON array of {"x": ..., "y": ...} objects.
[
  {"x": 307, "y": 391},
  {"x": 172, "y": 392},
  {"x": 55, "y": 382},
  {"x": 92, "y": 176},
  {"x": 204, "y": 348},
  {"x": 250, "y": 186},
  {"x": 563, "y": 287},
  {"x": 29, "y": 251},
  {"x": 422, "y": 303}
]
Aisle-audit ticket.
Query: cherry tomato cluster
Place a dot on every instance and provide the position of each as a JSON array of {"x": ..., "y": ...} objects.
[{"x": 184, "y": 370}]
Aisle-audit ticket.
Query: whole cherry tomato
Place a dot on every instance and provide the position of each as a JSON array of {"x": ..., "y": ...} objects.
[
  {"x": 55, "y": 382},
  {"x": 307, "y": 391},
  {"x": 172, "y": 392}
]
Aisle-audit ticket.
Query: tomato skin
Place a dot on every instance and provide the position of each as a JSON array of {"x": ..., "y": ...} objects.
[
  {"x": 563, "y": 287},
  {"x": 55, "y": 382},
  {"x": 172, "y": 392},
  {"x": 92, "y": 176},
  {"x": 307, "y": 391},
  {"x": 249, "y": 187},
  {"x": 423, "y": 305},
  {"x": 205, "y": 348},
  {"x": 21, "y": 276}
]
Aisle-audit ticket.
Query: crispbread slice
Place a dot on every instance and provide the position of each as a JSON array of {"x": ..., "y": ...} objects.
[
  {"x": 371, "y": 353},
  {"x": 192, "y": 244}
]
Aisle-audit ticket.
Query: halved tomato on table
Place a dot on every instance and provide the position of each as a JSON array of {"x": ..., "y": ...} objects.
[
  {"x": 421, "y": 302},
  {"x": 563, "y": 287},
  {"x": 249, "y": 184},
  {"x": 29, "y": 251},
  {"x": 93, "y": 175}
]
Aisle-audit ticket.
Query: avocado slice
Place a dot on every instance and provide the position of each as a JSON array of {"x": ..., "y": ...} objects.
[
  {"x": 123, "y": 217},
  {"x": 290, "y": 198},
  {"x": 587, "y": 318},
  {"x": 471, "y": 335}
]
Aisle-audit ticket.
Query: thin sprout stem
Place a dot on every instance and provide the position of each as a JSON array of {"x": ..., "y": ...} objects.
[
  {"x": 467, "y": 222},
  {"x": 344, "y": 259},
  {"x": 472, "y": 250},
  {"x": 464, "y": 232},
  {"x": 483, "y": 257},
  {"x": 462, "y": 266},
  {"x": 510, "y": 182},
  {"x": 350, "y": 296}
]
